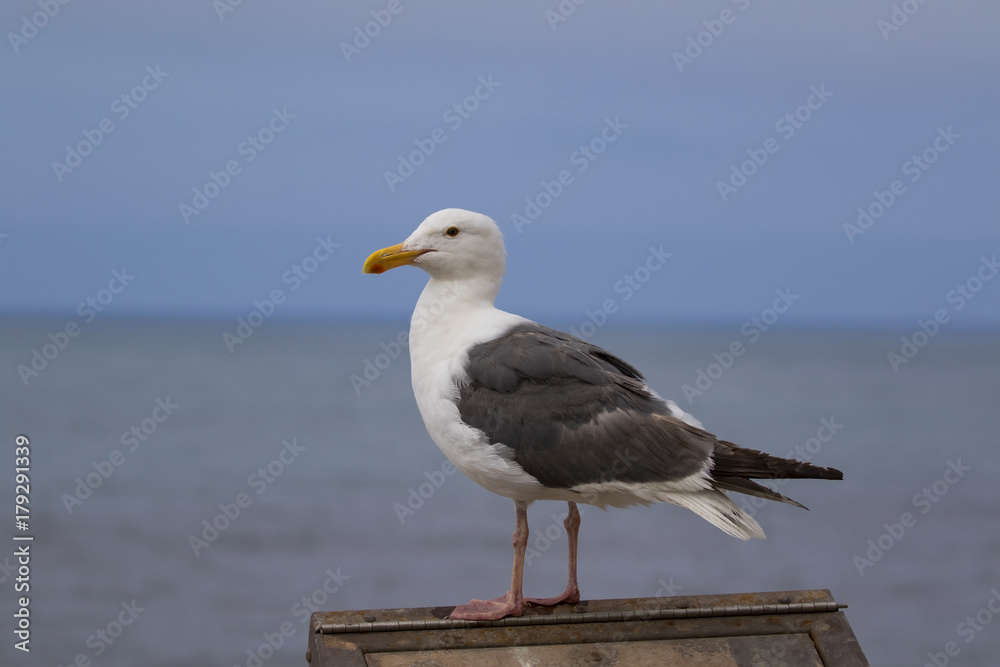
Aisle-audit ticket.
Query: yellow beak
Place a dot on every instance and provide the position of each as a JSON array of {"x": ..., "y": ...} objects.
[{"x": 382, "y": 260}]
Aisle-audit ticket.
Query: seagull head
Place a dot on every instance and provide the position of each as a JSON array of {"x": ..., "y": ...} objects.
[{"x": 452, "y": 244}]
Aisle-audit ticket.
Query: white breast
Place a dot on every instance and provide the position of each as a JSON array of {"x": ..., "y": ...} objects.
[{"x": 443, "y": 328}]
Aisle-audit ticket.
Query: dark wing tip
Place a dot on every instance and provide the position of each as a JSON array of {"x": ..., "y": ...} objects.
[
  {"x": 833, "y": 473},
  {"x": 734, "y": 461}
]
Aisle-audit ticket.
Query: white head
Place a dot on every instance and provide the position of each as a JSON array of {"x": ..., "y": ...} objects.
[{"x": 452, "y": 244}]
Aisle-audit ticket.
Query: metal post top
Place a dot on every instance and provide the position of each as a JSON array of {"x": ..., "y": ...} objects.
[
  {"x": 592, "y": 611},
  {"x": 585, "y": 617},
  {"x": 780, "y": 629}
]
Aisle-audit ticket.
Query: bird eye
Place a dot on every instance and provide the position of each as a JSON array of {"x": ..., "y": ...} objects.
[{"x": 452, "y": 232}]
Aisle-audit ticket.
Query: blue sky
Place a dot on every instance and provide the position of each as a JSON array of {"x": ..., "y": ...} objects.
[{"x": 272, "y": 81}]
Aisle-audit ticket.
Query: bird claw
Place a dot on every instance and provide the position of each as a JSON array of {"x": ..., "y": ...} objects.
[{"x": 489, "y": 610}]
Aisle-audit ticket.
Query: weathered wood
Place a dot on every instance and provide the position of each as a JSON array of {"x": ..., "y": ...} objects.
[{"x": 792, "y": 629}]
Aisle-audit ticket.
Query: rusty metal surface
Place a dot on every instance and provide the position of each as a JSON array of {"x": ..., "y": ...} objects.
[
  {"x": 631, "y": 604},
  {"x": 583, "y": 617},
  {"x": 797, "y": 651},
  {"x": 790, "y": 628},
  {"x": 700, "y": 652}
]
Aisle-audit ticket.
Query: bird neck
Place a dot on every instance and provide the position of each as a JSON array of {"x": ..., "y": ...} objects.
[
  {"x": 448, "y": 308},
  {"x": 443, "y": 300}
]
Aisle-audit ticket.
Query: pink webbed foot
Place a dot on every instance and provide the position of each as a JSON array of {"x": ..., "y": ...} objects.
[
  {"x": 569, "y": 596},
  {"x": 489, "y": 610}
]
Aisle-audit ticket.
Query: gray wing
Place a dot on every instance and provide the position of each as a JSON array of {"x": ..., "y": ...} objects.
[{"x": 572, "y": 413}]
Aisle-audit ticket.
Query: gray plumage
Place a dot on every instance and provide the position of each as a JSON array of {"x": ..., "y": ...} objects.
[{"x": 571, "y": 413}]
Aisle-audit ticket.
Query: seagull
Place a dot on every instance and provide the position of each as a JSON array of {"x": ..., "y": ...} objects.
[{"x": 532, "y": 413}]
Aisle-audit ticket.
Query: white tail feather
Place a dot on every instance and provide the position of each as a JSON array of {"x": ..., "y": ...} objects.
[
  {"x": 717, "y": 508},
  {"x": 694, "y": 493}
]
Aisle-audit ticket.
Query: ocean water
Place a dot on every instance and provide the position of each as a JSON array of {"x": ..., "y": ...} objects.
[{"x": 320, "y": 470}]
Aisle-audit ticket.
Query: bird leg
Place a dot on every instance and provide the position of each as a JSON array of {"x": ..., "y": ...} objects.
[
  {"x": 512, "y": 603},
  {"x": 572, "y": 593}
]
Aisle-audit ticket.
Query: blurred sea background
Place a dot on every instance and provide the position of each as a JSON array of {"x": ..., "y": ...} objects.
[
  {"x": 331, "y": 519},
  {"x": 178, "y": 176}
]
